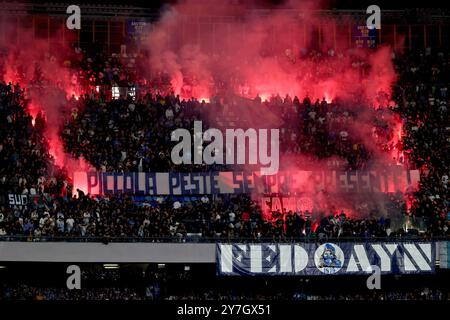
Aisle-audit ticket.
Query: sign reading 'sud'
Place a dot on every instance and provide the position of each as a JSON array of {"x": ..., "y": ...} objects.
[{"x": 325, "y": 259}]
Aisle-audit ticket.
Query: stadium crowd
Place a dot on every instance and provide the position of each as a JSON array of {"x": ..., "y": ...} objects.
[
  {"x": 123, "y": 135},
  {"x": 422, "y": 88},
  {"x": 24, "y": 156},
  {"x": 171, "y": 282}
]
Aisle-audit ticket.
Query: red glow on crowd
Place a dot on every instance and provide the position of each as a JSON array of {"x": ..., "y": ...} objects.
[
  {"x": 79, "y": 183},
  {"x": 321, "y": 74}
]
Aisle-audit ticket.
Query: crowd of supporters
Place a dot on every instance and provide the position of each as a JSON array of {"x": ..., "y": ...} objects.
[
  {"x": 24, "y": 292},
  {"x": 422, "y": 89},
  {"x": 127, "y": 135},
  {"x": 133, "y": 134},
  {"x": 24, "y": 156},
  {"x": 123, "y": 135},
  {"x": 130, "y": 134},
  {"x": 167, "y": 283}
]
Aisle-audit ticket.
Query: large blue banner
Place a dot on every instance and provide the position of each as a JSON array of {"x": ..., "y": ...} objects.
[{"x": 325, "y": 259}]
